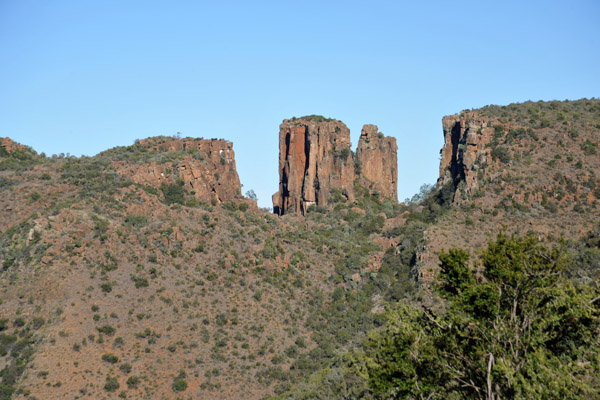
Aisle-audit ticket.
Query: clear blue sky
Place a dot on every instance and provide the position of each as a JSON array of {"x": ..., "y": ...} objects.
[{"x": 84, "y": 76}]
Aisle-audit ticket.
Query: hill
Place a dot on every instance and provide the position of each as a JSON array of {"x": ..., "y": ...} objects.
[{"x": 143, "y": 273}]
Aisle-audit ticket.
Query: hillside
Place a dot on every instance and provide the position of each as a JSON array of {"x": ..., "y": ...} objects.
[
  {"x": 530, "y": 166},
  {"x": 144, "y": 273}
]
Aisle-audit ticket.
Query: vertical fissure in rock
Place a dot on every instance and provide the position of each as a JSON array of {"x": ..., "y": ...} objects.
[
  {"x": 455, "y": 169},
  {"x": 328, "y": 164}
]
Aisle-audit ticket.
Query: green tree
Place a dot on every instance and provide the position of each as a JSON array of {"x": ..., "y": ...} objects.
[
  {"x": 174, "y": 192},
  {"x": 521, "y": 330}
]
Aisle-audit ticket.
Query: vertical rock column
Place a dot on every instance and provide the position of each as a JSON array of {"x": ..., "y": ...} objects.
[
  {"x": 377, "y": 162},
  {"x": 465, "y": 152},
  {"x": 314, "y": 159}
]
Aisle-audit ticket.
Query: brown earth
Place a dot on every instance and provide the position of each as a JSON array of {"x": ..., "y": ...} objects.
[{"x": 101, "y": 278}]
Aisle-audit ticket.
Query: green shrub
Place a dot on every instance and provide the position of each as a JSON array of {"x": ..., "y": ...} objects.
[
  {"x": 180, "y": 385},
  {"x": 525, "y": 294},
  {"x": 107, "y": 329},
  {"x": 133, "y": 381},
  {"x": 589, "y": 147},
  {"x": 110, "y": 358},
  {"x": 501, "y": 153},
  {"x": 112, "y": 384},
  {"x": 139, "y": 281},
  {"x": 107, "y": 287},
  {"x": 125, "y": 367},
  {"x": 174, "y": 193}
]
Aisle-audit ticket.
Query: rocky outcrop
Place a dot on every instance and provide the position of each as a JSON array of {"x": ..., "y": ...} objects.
[
  {"x": 377, "y": 163},
  {"x": 206, "y": 167},
  {"x": 465, "y": 153},
  {"x": 10, "y": 146},
  {"x": 314, "y": 159}
]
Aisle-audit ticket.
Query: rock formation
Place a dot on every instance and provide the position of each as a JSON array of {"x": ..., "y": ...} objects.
[
  {"x": 315, "y": 159},
  {"x": 11, "y": 146},
  {"x": 207, "y": 168},
  {"x": 464, "y": 152},
  {"x": 377, "y": 162}
]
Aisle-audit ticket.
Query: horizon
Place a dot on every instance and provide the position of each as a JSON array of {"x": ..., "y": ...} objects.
[
  {"x": 81, "y": 79},
  {"x": 353, "y": 148}
]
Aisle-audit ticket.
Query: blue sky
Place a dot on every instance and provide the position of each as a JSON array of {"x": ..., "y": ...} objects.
[{"x": 79, "y": 77}]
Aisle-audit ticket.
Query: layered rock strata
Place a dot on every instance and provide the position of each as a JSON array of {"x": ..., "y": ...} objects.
[{"x": 206, "y": 167}]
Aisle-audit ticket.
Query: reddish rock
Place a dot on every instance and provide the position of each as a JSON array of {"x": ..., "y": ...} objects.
[
  {"x": 395, "y": 222},
  {"x": 314, "y": 159},
  {"x": 11, "y": 146},
  {"x": 377, "y": 162},
  {"x": 207, "y": 168},
  {"x": 464, "y": 152}
]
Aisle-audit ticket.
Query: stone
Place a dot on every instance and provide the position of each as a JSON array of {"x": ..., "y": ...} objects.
[
  {"x": 206, "y": 167},
  {"x": 377, "y": 162},
  {"x": 314, "y": 160},
  {"x": 464, "y": 152},
  {"x": 11, "y": 146}
]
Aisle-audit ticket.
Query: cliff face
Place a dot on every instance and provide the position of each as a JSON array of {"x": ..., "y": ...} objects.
[
  {"x": 377, "y": 162},
  {"x": 314, "y": 159},
  {"x": 207, "y": 168},
  {"x": 464, "y": 152}
]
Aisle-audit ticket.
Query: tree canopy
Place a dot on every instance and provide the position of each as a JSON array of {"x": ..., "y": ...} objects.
[{"x": 516, "y": 327}]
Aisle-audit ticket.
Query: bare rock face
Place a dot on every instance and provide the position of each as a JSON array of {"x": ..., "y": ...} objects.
[
  {"x": 314, "y": 159},
  {"x": 377, "y": 162},
  {"x": 206, "y": 167},
  {"x": 464, "y": 152}
]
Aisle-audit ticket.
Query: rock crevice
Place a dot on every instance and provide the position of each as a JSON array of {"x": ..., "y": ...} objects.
[
  {"x": 377, "y": 161},
  {"x": 316, "y": 161},
  {"x": 206, "y": 167},
  {"x": 465, "y": 151}
]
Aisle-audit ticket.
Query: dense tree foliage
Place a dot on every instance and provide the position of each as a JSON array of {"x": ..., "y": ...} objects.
[{"x": 520, "y": 329}]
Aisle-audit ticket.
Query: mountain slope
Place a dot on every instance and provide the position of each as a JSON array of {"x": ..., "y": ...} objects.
[{"x": 142, "y": 272}]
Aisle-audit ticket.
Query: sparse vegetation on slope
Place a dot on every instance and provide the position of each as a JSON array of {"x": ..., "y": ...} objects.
[{"x": 117, "y": 280}]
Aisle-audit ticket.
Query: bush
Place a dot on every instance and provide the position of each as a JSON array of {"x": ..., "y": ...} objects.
[
  {"x": 589, "y": 147},
  {"x": 133, "y": 381},
  {"x": 139, "y": 281},
  {"x": 125, "y": 367},
  {"x": 107, "y": 287},
  {"x": 174, "y": 192},
  {"x": 107, "y": 329},
  {"x": 37, "y": 323},
  {"x": 110, "y": 358},
  {"x": 112, "y": 384},
  {"x": 179, "y": 385},
  {"x": 524, "y": 331},
  {"x": 501, "y": 153}
]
